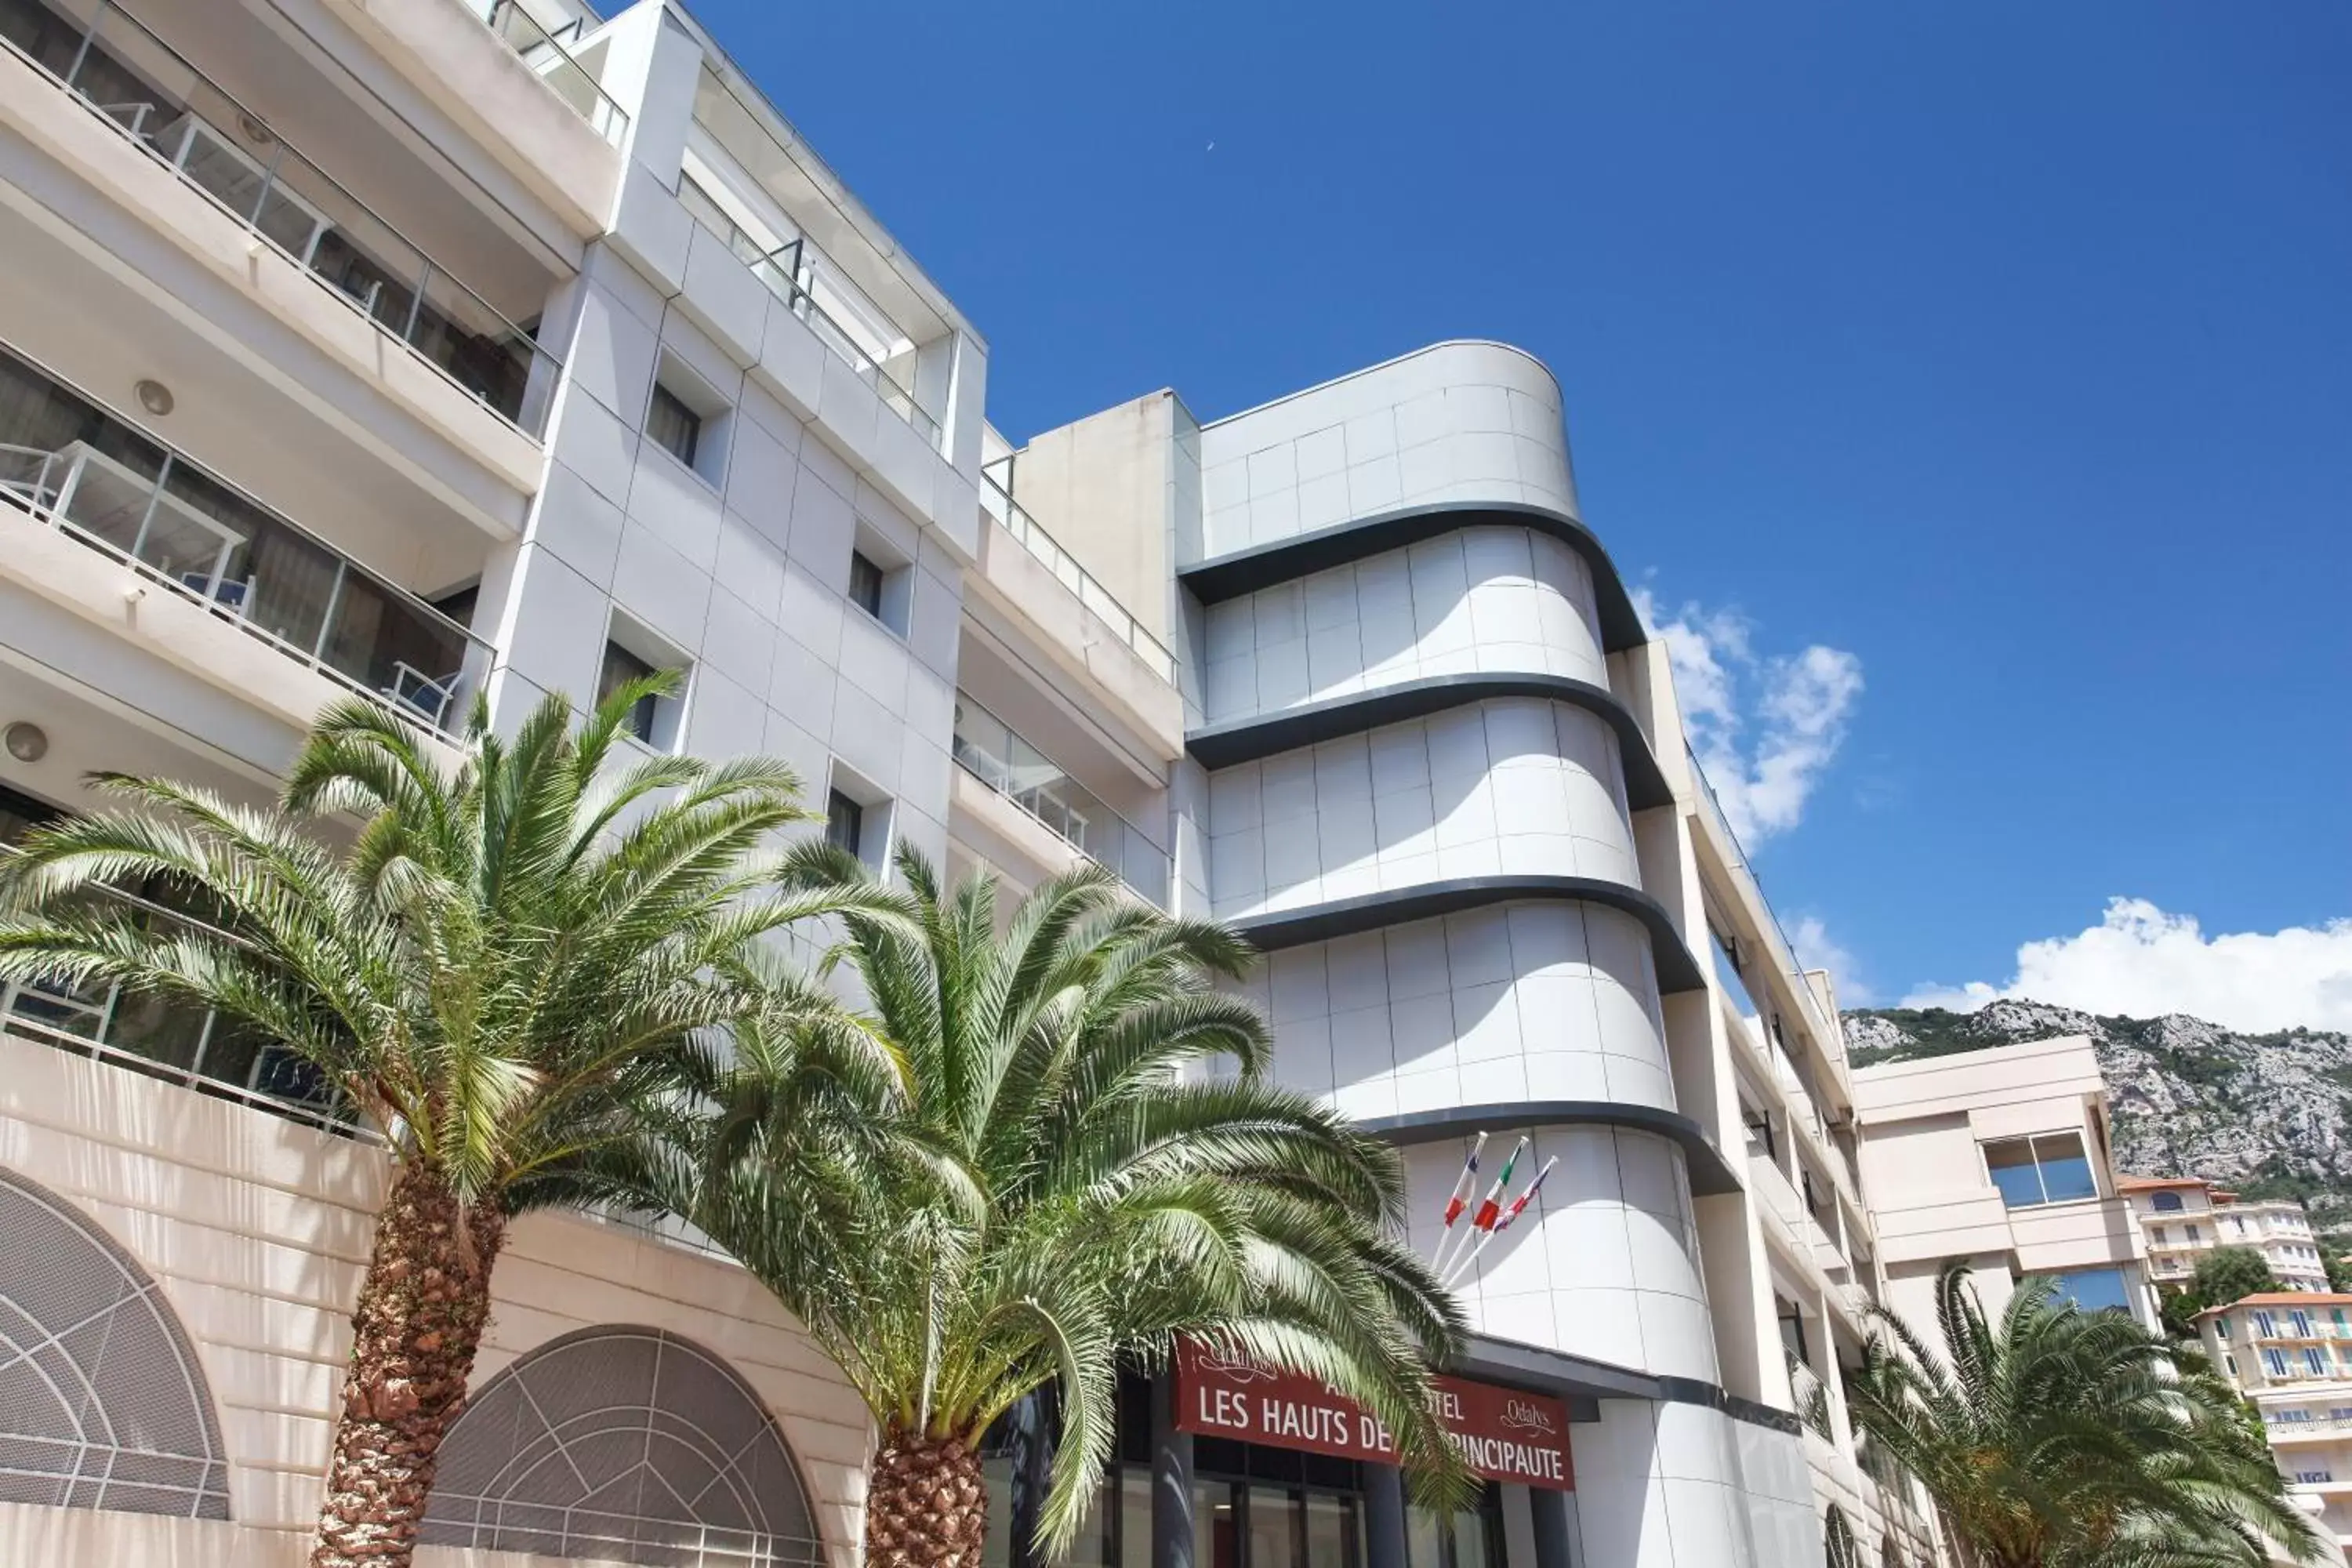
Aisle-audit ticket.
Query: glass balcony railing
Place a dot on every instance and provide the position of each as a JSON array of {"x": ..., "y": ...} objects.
[
  {"x": 998, "y": 503},
  {"x": 788, "y": 272},
  {"x": 67, "y": 465},
  {"x": 987, "y": 748},
  {"x": 548, "y": 52},
  {"x": 1784, "y": 951},
  {"x": 217, "y": 147},
  {"x": 162, "y": 1037}
]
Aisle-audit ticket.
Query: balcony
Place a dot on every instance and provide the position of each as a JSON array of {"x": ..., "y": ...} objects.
[
  {"x": 796, "y": 273},
  {"x": 987, "y": 748},
  {"x": 1008, "y": 514},
  {"x": 172, "y": 1040},
  {"x": 74, "y": 473},
  {"x": 549, "y": 51},
  {"x": 214, "y": 146},
  {"x": 1825, "y": 1029}
]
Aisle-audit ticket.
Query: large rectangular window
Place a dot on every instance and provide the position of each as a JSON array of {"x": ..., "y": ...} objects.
[
  {"x": 2047, "y": 1168},
  {"x": 674, "y": 428},
  {"x": 2097, "y": 1289},
  {"x": 622, "y": 667}
]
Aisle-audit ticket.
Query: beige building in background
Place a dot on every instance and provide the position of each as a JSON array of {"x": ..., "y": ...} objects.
[
  {"x": 2289, "y": 1351},
  {"x": 2183, "y": 1218},
  {"x": 1998, "y": 1157}
]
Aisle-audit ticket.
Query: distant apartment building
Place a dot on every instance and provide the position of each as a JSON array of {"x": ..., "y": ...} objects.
[
  {"x": 2289, "y": 1351},
  {"x": 1998, "y": 1157},
  {"x": 2184, "y": 1217}
]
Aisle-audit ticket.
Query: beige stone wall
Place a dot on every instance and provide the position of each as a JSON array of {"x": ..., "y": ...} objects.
[{"x": 255, "y": 1231}]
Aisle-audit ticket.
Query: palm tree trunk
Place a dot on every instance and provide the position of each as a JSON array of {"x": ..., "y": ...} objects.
[
  {"x": 926, "y": 1503},
  {"x": 421, "y": 1312}
]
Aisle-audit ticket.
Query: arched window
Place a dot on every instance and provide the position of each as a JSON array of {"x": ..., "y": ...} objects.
[
  {"x": 101, "y": 1401},
  {"x": 624, "y": 1444},
  {"x": 2165, "y": 1203}
]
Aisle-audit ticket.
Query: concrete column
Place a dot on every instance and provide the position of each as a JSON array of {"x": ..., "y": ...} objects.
[
  {"x": 1384, "y": 1518},
  {"x": 1553, "y": 1547},
  {"x": 1171, "y": 1481}
]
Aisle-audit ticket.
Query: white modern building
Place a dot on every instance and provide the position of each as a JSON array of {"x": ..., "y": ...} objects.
[
  {"x": 475, "y": 346},
  {"x": 2000, "y": 1158},
  {"x": 2182, "y": 1218}
]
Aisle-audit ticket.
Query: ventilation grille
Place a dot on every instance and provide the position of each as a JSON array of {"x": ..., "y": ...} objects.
[
  {"x": 101, "y": 1402},
  {"x": 626, "y": 1444}
]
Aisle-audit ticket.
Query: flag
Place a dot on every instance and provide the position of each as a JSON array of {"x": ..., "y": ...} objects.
[
  {"x": 1518, "y": 1206},
  {"x": 1461, "y": 1198},
  {"x": 1493, "y": 1204}
]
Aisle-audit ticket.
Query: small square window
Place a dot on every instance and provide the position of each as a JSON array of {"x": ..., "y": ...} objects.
[
  {"x": 631, "y": 653},
  {"x": 677, "y": 428},
  {"x": 844, "y": 822},
  {"x": 866, "y": 583},
  {"x": 620, "y": 667}
]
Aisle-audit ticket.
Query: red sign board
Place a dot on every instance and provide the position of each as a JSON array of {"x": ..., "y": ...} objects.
[{"x": 1504, "y": 1433}]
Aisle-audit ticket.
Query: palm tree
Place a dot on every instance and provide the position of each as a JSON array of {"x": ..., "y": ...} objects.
[
  {"x": 1067, "y": 1190},
  {"x": 2066, "y": 1438},
  {"x": 502, "y": 971}
]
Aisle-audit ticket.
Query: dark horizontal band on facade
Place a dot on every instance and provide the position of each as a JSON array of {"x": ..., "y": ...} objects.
[
  {"x": 1583, "y": 1382},
  {"x": 1304, "y": 554},
  {"x": 1247, "y": 740},
  {"x": 1677, "y": 970},
  {"x": 1710, "y": 1173}
]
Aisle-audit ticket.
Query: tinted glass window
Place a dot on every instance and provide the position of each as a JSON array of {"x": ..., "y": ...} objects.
[
  {"x": 2010, "y": 1162},
  {"x": 2165, "y": 1202},
  {"x": 2065, "y": 1170},
  {"x": 675, "y": 427},
  {"x": 620, "y": 667},
  {"x": 866, "y": 584},
  {"x": 844, "y": 821},
  {"x": 2097, "y": 1289}
]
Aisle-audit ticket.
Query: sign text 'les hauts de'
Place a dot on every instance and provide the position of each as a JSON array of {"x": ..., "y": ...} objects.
[{"x": 1504, "y": 1433}]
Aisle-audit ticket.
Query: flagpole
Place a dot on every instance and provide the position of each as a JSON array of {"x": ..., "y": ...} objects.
[
  {"x": 1462, "y": 1265},
  {"x": 1485, "y": 1218},
  {"x": 1460, "y": 1198}
]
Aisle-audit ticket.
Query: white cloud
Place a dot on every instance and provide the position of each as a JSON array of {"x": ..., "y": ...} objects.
[
  {"x": 1797, "y": 705},
  {"x": 1816, "y": 949},
  {"x": 2141, "y": 961}
]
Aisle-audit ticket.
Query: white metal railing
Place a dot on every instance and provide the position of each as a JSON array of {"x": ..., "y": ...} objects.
[
  {"x": 1009, "y": 514},
  {"x": 547, "y": 51},
  {"x": 284, "y": 200},
  {"x": 991, "y": 751},
  {"x": 1784, "y": 953},
  {"x": 191, "y": 536}
]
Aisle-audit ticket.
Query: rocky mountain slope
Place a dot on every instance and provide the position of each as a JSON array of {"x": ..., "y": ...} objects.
[{"x": 2269, "y": 1114}]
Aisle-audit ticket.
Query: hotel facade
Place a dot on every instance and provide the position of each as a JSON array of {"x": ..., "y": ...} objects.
[{"x": 465, "y": 347}]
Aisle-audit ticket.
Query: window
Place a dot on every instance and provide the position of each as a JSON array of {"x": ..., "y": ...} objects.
[
  {"x": 2097, "y": 1289},
  {"x": 2221, "y": 1327},
  {"x": 2275, "y": 1362},
  {"x": 2196, "y": 1235},
  {"x": 673, "y": 427},
  {"x": 2229, "y": 1365},
  {"x": 1760, "y": 1131},
  {"x": 2301, "y": 1323},
  {"x": 866, "y": 583},
  {"x": 844, "y": 822},
  {"x": 2315, "y": 1477},
  {"x": 2165, "y": 1203},
  {"x": 2335, "y": 1316},
  {"x": 2339, "y": 1413},
  {"x": 631, "y": 653},
  {"x": 2047, "y": 1168},
  {"x": 2315, "y": 1361},
  {"x": 882, "y": 575},
  {"x": 1792, "y": 1329},
  {"x": 2265, "y": 1326},
  {"x": 620, "y": 667},
  {"x": 2156, "y": 1235}
]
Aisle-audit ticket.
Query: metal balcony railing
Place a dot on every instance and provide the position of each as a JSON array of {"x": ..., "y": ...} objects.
[
  {"x": 790, "y": 272},
  {"x": 998, "y": 503},
  {"x": 548, "y": 52},
  {"x": 232, "y": 157},
  {"x": 169, "y": 1039},
  {"x": 988, "y": 749},
  {"x": 1825, "y": 1028},
  {"x": 67, "y": 465}
]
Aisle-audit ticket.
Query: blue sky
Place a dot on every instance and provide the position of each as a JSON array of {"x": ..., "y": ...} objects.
[{"x": 2002, "y": 351}]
